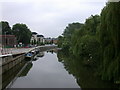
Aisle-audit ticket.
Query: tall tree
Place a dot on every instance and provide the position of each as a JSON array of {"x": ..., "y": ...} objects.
[
  {"x": 6, "y": 29},
  {"x": 85, "y": 44},
  {"x": 22, "y": 33},
  {"x": 68, "y": 32},
  {"x": 110, "y": 42},
  {"x": 97, "y": 41}
]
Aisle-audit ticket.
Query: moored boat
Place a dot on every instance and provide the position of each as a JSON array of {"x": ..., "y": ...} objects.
[{"x": 30, "y": 55}]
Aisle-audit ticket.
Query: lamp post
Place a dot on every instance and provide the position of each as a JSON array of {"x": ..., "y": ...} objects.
[
  {"x": 6, "y": 50},
  {"x": 4, "y": 43}
]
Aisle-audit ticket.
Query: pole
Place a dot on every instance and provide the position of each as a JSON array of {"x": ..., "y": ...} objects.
[{"x": 5, "y": 43}]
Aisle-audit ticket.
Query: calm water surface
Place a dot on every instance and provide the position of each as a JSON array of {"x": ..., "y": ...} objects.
[
  {"x": 45, "y": 72},
  {"x": 53, "y": 70}
]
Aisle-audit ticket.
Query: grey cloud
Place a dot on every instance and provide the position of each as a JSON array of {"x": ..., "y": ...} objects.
[{"x": 49, "y": 17}]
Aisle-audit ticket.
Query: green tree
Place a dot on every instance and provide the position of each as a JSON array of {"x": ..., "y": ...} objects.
[
  {"x": 97, "y": 42},
  {"x": 67, "y": 34},
  {"x": 6, "y": 29},
  {"x": 110, "y": 42},
  {"x": 92, "y": 24},
  {"x": 22, "y": 33},
  {"x": 85, "y": 44},
  {"x": 60, "y": 40}
]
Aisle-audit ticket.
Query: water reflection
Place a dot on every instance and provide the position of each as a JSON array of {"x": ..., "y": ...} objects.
[
  {"x": 26, "y": 69},
  {"x": 9, "y": 75},
  {"x": 45, "y": 72},
  {"x": 85, "y": 76},
  {"x": 54, "y": 69},
  {"x": 39, "y": 55}
]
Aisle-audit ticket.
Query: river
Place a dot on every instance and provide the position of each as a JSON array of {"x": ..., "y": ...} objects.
[
  {"x": 45, "y": 72},
  {"x": 52, "y": 70}
]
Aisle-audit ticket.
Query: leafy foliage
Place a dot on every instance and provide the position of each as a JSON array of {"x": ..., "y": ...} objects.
[
  {"x": 110, "y": 42},
  {"x": 22, "y": 33},
  {"x": 65, "y": 41},
  {"x": 85, "y": 76},
  {"x": 96, "y": 42},
  {"x": 80, "y": 40},
  {"x": 6, "y": 29}
]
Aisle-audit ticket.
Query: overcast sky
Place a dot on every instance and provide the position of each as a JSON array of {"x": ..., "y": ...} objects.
[{"x": 49, "y": 17}]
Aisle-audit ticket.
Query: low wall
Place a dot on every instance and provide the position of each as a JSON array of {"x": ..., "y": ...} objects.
[
  {"x": 9, "y": 62},
  {"x": 8, "y": 76}
]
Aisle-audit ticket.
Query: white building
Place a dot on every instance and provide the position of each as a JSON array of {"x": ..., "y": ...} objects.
[
  {"x": 37, "y": 38},
  {"x": 34, "y": 37},
  {"x": 40, "y": 38}
]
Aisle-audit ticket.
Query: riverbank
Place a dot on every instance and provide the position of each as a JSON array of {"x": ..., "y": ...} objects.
[{"x": 45, "y": 71}]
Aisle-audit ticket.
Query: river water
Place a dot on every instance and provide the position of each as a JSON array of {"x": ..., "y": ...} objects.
[
  {"x": 45, "y": 72},
  {"x": 52, "y": 70}
]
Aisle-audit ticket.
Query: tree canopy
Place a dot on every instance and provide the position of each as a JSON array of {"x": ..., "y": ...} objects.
[
  {"x": 110, "y": 42},
  {"x": 6, "y": 29},
  {"x": 22, "y": 33},
  {"x": 96, "y": 42}
]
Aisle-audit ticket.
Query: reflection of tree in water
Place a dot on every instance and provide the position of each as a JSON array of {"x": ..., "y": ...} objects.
[
  {"x": 85, "y": 76},
  {"x": 26, "y": 70}
]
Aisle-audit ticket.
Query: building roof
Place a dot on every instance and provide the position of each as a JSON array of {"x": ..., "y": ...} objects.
[
  {"x": 40, "y": 36},
  {"x": 34, "y": 33}
]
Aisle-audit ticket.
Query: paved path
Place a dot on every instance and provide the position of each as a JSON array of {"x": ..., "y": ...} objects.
[
  {"x": 15, "y": 51},
  {"x": 7, "y": 51},
  {"x": 21, "y": 50}
]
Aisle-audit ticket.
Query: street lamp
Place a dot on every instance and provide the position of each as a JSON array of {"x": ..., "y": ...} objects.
[{"x": 5, "y": 46}]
